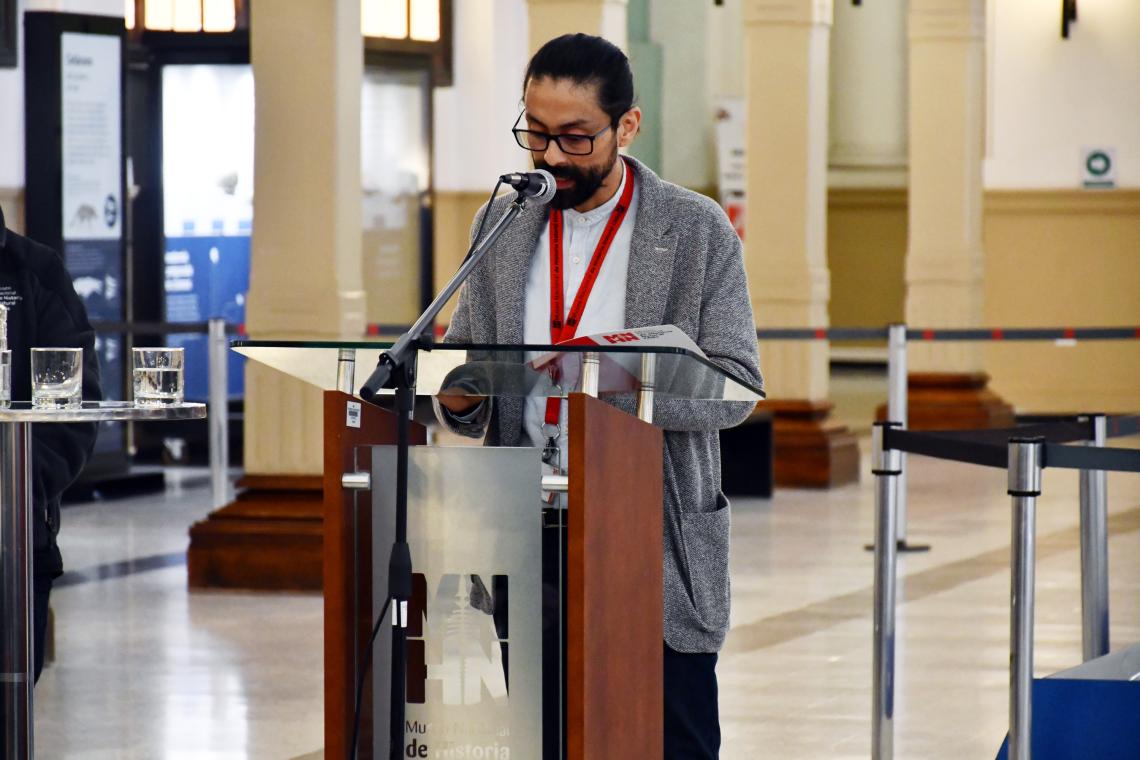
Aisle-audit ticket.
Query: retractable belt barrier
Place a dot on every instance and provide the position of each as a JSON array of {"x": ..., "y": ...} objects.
[
  {"x": 842, "y": 334},
  {"x": 1024, "y": 451},
  {"x": 164, "y": 328},
  {"x": 990, "y": 447},
  {"x": 898, "y": 335},
  {"x": 373, "y": 330}
]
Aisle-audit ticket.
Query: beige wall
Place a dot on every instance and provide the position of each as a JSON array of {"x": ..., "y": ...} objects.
[
  {"x": 1051, "y": 97},
  {"x": 866, "y": 246},
  {"x": 1064, "y": 258},
  {"x": 551, "y": 18},
  {"x": 452, "y": 228},
  {"x": 1055, "y": 258}
]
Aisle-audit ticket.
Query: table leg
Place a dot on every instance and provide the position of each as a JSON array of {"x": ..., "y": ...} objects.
[{"x": 16, "y": 674}]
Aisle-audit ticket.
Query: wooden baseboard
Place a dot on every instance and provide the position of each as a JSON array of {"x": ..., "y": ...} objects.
[
  {"x": 811, "y": 451},
  {"x": 270, "y": 538},
  {"x": 953, "y": 401}
]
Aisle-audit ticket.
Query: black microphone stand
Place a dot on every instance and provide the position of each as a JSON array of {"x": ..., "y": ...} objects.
[{"x": 396, "y": 369}]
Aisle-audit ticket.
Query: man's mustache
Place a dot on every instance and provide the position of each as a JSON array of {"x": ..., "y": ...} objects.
[{"x": 561, "y": 172}]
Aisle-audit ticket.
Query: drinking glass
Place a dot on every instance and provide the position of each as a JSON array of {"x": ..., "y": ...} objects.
[
  {"x": 157, "y": 376},
  {"x": 57, "y": 378}
]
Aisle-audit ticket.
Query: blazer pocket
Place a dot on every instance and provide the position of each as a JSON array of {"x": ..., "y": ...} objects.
[{"x": 706, "y": 536}]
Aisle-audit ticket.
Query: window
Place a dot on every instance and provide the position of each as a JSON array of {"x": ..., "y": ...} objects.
[{"x": 183, "y": 15}]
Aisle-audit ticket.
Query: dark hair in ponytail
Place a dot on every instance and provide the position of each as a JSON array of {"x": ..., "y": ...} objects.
[{"x": 587, "y": 60}]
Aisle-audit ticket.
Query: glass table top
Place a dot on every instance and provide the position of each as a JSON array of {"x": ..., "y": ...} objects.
[{"x": 101, "y": 411}]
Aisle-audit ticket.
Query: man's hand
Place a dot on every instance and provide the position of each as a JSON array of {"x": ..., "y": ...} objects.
[{"x": 458, "y": 402}]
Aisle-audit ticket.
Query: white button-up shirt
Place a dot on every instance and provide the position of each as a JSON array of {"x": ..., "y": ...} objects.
[{"x": 605, "y": 310}]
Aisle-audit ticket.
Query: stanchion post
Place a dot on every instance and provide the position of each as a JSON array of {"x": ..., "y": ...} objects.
[
  {"x": 897, "y": 411},
  {"x": 886, "y": 469},
  {"x": 1024, "y": 473},
  {"x": 1094, "y": 551},
  {"x": 219, "y": 413}
]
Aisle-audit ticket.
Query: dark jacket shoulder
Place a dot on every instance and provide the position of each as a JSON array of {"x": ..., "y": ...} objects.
[{"x": 45, "y": 310}]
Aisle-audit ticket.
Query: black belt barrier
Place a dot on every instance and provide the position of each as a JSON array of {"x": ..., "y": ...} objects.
[{"x": 990, "y": 448}]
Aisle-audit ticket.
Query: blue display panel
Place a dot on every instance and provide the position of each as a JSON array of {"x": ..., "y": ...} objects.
[
  {"x": 208, "y": 206},
  {"x": 206, "y": 278}
]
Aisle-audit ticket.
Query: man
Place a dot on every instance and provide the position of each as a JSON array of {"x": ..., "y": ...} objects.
[
  {"x": 672, "y": 258},
  {"x": 44, "y": 310}
]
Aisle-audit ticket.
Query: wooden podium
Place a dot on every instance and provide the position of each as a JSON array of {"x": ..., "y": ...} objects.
[
  {"x": 612, "y": 526},
  {"x": 348, "y": 589},
  {"x": 614, "y": 594},
  {"x": 615, "y": 601}
]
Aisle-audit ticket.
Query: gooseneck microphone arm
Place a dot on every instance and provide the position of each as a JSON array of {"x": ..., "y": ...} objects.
[
  {"x": 396, "y": 368},
  {"x": 396, "y": 356}
]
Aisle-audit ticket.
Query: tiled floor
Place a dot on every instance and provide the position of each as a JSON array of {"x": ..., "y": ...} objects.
[{"x": 146, "y": 670}]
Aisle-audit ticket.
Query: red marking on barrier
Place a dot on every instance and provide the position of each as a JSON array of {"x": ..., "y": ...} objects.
[
  {"x": 821, "y": 334},
  {"x": 997, "y": 334},
  {"x": 1136, "y": 333},
  {"x": 928, "y": 335},
  {"x": 1069, "y": 333},
  {"x": 241, "y": 330},
  {"x": 440, "y": 331},
  {"x": 373, "y": 329}
]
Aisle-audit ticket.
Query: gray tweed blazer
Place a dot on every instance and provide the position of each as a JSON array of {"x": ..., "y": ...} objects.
[{"x": 686, "y": 269}]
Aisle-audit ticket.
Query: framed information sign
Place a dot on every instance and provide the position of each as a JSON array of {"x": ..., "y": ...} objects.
[{"x": 76, "y": 181}]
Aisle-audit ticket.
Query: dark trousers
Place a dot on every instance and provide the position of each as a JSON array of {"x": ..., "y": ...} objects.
[
  {"x": 41, "y": 594},
  {"x": 692, "y": 721}
]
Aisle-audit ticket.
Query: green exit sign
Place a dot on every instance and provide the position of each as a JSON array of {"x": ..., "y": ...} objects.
[{"x": 1098, "y": 168}]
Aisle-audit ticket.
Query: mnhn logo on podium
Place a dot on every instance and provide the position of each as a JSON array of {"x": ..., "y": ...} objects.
[
  {"x": 458, "y": 640},
  {"x": 476, "y": 539}
]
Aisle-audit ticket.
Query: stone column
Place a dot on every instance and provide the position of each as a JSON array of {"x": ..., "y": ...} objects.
[
  {"x": 786, "y": 63},
  {"x": 944, "y": 257},
  {"x": 305, "y": 283},
  {"x": 551, "y": 18}
]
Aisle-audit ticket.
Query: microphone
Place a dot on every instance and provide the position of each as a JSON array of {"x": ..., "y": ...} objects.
[{"x": 539, "y": 185}]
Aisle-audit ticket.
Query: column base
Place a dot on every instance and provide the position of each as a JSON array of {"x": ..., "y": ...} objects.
[
  {"x": 270, "y": 538},
  {"x": 952, "y": 401},
  {"x": 810, "y": 451}
]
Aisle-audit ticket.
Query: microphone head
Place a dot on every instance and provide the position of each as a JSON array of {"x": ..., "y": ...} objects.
[{"x": 550, "y": 187}]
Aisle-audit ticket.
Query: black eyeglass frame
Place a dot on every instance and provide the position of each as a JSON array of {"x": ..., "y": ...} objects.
[{"x": 521, "y": 136}]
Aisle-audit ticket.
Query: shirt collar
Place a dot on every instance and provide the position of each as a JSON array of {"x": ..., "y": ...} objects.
[{"x": 595, "y": 215}]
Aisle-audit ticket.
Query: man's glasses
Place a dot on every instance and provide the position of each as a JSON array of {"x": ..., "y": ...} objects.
[{"x": 571, "y": 145}]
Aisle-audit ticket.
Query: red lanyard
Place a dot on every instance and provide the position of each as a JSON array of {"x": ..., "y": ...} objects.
[{"x": 564, "y": 330}]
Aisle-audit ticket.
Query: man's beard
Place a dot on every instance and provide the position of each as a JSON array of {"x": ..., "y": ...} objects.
[{"x": 586, "y": 181}]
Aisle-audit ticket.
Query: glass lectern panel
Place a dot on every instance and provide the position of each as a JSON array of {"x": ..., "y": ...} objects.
[
  {"x": 524, "y": 370},
  {"x": 483, "y": 673}
]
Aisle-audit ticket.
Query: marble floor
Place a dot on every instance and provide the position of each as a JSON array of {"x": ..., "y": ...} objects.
[{"x": 144, "y": 669}]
